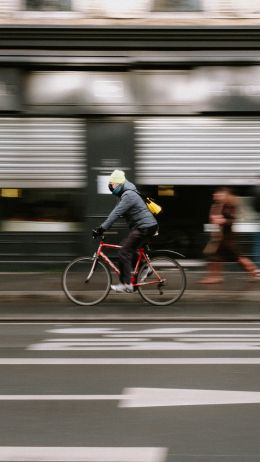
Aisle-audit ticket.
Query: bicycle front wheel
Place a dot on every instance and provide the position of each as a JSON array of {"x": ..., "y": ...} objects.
[
  {"x": 86, "y": 281},
  {"x": 170, "y": 285}
]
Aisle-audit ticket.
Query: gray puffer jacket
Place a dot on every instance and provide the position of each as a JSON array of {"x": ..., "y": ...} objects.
[{"x": 131, "y": 207}]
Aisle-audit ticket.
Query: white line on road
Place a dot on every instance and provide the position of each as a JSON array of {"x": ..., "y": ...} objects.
[
  {"x": 155, "y": 397},
  {"x": 115, "y": 331},
  {"x": 251, "y": 345},
  {"x": 127, "y": 361},
  {"x": 61, "y": 398},
  {"x": 86, "y": 454}
]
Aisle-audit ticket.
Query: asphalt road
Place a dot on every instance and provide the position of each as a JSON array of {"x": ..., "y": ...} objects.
[
  {"x": 157, "y": 392},
  {"x": 126, "y": 309}
]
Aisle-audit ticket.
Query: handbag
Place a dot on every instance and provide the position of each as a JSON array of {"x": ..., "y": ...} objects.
[
  {"x": 215, "y": 236},
  {"x": 211, "y": 247}
]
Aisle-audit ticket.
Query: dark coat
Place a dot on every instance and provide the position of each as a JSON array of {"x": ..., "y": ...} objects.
[{"x": 222, "y": 244}]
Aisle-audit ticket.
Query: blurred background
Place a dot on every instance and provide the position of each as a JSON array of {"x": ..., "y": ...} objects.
[{"x": 167, "y": 90}]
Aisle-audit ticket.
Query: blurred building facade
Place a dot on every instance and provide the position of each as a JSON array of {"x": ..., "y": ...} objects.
[
  {"x": 26, "y": 9},
  {"x": 84, "y": 89}
]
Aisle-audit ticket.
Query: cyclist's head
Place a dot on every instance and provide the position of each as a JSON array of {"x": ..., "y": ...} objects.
[{"x": 116, "y": 181}]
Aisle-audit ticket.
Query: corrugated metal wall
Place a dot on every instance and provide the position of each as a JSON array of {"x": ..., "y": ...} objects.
[
  {"x": 197, "y": 150},
  {"x": 42, "y": 153}
]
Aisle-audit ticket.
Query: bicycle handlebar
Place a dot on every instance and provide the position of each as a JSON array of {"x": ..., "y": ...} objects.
[{"x": 96, "y": 235}]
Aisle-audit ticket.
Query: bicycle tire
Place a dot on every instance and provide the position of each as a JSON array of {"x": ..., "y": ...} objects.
[
  {"x": 79, "y": 289},
  {"x": 168, "y": 292}
]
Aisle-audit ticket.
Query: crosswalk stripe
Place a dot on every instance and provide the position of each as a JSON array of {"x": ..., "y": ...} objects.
[
  {"x": 86, "y": 454},
  {"x": 127, "y": 361},
  {"x": 59, "y": 398}
]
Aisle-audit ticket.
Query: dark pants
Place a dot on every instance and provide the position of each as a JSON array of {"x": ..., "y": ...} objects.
[{"x": 135, "y": 239}]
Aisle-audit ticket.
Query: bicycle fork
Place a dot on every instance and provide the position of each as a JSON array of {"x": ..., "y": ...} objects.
[{"x": 92, "y": 269}]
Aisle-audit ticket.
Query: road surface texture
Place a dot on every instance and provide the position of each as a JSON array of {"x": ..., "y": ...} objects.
[{"x": 130, "y": 392}]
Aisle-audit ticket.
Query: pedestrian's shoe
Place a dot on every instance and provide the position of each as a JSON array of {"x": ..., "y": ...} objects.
[
  {"x": 255, "y": 275},
  {"x": 122, "y": 288}
]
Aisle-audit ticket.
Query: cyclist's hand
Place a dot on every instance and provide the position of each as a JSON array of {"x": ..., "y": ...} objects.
[{"x": 97, "y": 232}]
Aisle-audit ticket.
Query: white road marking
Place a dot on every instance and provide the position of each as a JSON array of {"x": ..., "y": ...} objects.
[
  {"x": 128, "y": 361},
  {"x": 110, "y": 330},
  {"x": 151, "y": 339},
  {"x": 153, "y": 397},
  {"x": 83, "y": 345},
  {"x": 60, "y": 398},
  {"x": 86, "y": 454}
]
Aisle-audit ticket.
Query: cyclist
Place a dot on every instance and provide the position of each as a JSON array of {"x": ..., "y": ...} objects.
[{"x": 140, "y": 220}]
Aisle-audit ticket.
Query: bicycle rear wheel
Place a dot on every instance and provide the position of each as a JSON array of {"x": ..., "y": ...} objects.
[
  {"x": 172, "y": 281},
  {"x": 86, "y": 281}
]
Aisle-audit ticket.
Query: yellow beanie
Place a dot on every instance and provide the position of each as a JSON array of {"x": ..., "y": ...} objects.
[{"x": 117, "y": 176}]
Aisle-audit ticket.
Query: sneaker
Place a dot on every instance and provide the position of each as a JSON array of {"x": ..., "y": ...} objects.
[{"x": 127, "y": 288}]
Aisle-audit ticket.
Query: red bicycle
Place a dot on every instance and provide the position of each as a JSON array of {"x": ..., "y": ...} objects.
[{"x": 157, "y": 276}]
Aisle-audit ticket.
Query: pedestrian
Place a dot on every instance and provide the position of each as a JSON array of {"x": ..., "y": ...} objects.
[
  {"x": 140, "y": 220},
  {"x": 222, "y": 243},
  {"x": 256, "y": 207}
]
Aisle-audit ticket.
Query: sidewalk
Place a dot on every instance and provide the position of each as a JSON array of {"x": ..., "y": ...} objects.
[
  {"x": 47, "y": 286},
  {"x": 39, "y": 296}
]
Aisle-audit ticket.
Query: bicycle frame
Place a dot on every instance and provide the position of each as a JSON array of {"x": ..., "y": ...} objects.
[{"x": 142, "y": 256}]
